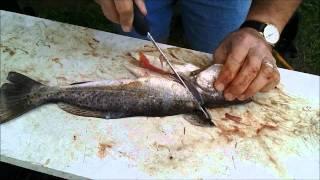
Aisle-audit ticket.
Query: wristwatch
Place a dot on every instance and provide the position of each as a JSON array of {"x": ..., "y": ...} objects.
[{"x": 268, "y": 31}]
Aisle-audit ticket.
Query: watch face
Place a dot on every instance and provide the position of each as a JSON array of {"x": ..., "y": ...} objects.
[{"x": 271, "y": 34}]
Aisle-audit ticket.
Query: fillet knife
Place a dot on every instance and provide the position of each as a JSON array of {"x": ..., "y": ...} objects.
[{"x": 141, "y": 26}]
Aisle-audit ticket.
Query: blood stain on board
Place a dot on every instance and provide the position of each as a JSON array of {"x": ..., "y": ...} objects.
[
  {"x": 266, "y": 126},
  {"x": 95, "y": 40},
  {"x": 57, "y": 60},
  {"x": 8, "y": 50},
  {"x": 233, "y": 118},
  {"x": 102, "y": 149},
  {"x": 91, "y": 45}
]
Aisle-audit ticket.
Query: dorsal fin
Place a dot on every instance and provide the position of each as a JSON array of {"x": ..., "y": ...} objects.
[{"x": 22, "y": 80}]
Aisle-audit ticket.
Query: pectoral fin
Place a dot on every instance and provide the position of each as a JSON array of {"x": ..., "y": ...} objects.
[{"x": 197, "y": 120}]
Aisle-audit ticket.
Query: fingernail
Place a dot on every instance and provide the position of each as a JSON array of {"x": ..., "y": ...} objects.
[
  {"x": 229, "y": 97},
  {"x": 219, "y": 87},
  {"x": 144, "y": 12},
  {"x": 242, "y": 97},
  {"x": 126, "y": 28}
]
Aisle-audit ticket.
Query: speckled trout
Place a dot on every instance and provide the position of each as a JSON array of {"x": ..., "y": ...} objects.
[{"x": 150, "y": 95}]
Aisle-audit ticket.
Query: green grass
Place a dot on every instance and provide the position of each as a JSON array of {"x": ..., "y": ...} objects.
[
  {"x": 87, "y": 13},
  {"x": 308, "y": 38}
]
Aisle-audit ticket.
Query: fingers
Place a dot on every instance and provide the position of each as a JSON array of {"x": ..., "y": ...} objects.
[
  {"x": 142, "y": 6},
  {"x": 247, "y": 74},
  {"x": 272, "y": 84},
  {"x": 121, "y": 11},
  {"x": 125, "y": 10},
  {"x": 249, "y": 66},
  {"x": 267, "y": 78},
  {"x": 109, "y": 10},
  {"x": 237, "y": 51},
  {"x": 220, "y": 54}
]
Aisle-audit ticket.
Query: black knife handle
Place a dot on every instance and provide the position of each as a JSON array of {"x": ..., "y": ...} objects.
[{"x": 140, "y": 22}]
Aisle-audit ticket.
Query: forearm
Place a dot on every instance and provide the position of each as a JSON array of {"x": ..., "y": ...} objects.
[{"x": 277, "y": 12}]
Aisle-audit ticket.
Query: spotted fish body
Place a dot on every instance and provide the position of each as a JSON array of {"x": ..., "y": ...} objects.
[
  {"x": 146, "y": 96},
  {"x": 152, "y": 95}
]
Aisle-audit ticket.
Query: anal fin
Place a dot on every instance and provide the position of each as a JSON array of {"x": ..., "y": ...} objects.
[{"x": 79, "y": 111}]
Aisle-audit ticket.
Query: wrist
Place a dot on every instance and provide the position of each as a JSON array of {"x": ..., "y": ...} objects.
[
  {"x": 279, "y": 24},
  {"x": 268, "y": 32},
  {"x": 274, "y": 12}
]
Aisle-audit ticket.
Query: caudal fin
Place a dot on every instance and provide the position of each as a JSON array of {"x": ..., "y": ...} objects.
[{"x": 14, "y": 96}]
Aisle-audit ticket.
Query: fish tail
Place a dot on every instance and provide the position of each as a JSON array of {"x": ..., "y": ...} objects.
[{"x": 14, "y": 96}]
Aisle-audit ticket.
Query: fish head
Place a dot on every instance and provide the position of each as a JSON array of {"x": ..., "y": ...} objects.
[
  {"x": 204, "y": 81},
  {"x": 206, "y": 78}
]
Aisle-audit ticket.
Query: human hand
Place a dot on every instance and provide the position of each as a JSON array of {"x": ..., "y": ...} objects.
[
  {"x": 249, "y": 66},
  {"x": 121, "y": 11}
]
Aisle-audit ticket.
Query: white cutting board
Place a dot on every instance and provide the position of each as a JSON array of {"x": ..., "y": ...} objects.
[{"x": 52, "y": 141}]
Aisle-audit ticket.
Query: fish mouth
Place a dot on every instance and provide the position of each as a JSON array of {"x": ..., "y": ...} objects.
[{"x": 213, "y": 98}]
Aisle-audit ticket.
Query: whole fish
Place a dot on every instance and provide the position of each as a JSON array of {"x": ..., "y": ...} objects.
[{"x": 153, "y": 95}]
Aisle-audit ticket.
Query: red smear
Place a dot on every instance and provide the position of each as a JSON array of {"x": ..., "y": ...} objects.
[
  {"x": 266, "y": 126},
  {"x": 144, "y": 62},
  {"x": 233, "y": 118}
]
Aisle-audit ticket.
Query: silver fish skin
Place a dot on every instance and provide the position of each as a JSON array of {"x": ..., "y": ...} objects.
[
  {"x": 146, "y": 96},
  {"x": 151, "y": 95},
  {"x": 204, "y": 81}
]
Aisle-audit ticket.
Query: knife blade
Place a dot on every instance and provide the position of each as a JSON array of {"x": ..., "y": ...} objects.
[{"x": 141, "y": 26}]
